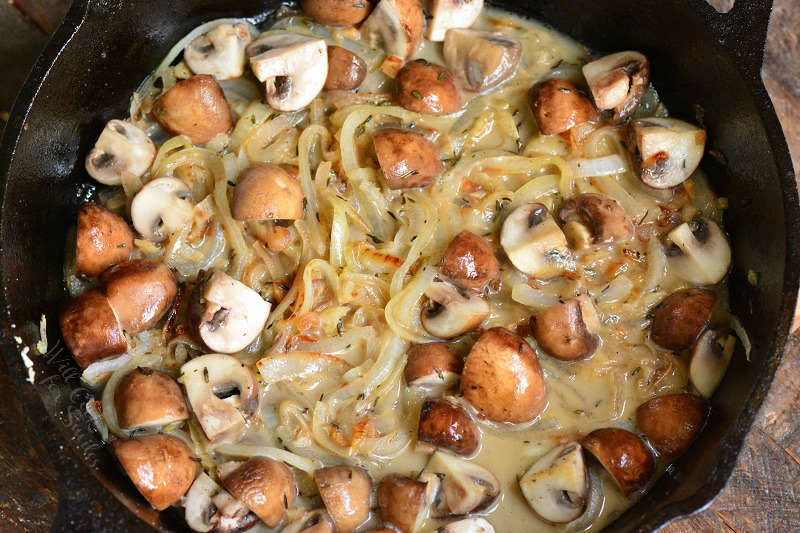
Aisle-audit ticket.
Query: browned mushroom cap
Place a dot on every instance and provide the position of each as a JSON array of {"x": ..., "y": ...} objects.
[
  {"x": 161, "y": 467},
  {"x": 558, "y": 106},
  {"x": 346, "y": 70},
  {"x": 407, "y": 159},
  {"x": 196, "y": 108},
  {"x": 428, "y": 88},
  {"x": 680, "y": 318},
  {"x": 599, "y": 216},
  {"x": 433, "y": 363},
  {"x": 103, "y": 239},
  {"x": 444, "y": 424},
  {"x": 148, "y": 398},
  {"x": 568, "y": 331},
  {"x": 265, "y": 486},
  {"x": 337, "y": 12},
  {"x": 267, "y": 192},
  {"x": 618, "y": 82},
  {"x": 469, "y": 261},
  {"x": 671, "y": 423},
  {"x": 91, "y": 329},
  {"x": 502, "y": 378},
  {"x": 402, "y": 502},
  {"x": 623, "y": 455},
  {"x": 140, "y": 291},
  {"x": 346, "y": 493}
]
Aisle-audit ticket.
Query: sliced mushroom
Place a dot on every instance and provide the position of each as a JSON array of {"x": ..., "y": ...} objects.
[
  {"x": 672, "y": 422},
  {"x": 147, "y": 398},
  {"x": 141, "y": 291},
  {"x": 427, "y": 88},
  {"x": 557, "y": 485},
  {"x": 160, "y": 466},
  {"x": 91, "y": 329},
  {"x": 337, "y": 12},
  {"x": 209, "y": 507},
  {"x": 196, "y": 108},
  {"x": 534, "y": 243},
  {"x": 702, "y": 254},
  {"x": 292, "y": 67},
  {"x": 102, "y": 239},
  {"x": 444, "y": 424},
  {"x": 709, "y": 360},
  {"x": 219, "y": 52},
  {"x": 481, "y": 60},
  {"x": 407, "y": 159},
  {"x": 451, "y": 14},
  {"x": 265, "y": 486},
  {"x": 448, "y": 313},
  {"x": 568, "y": 331},
  {"x": 161, "y": 208},
  {"x": 597, "y": 215},
  {"x": 433, "y": 364},
  {"x": 558, "y": 106},
  {"x": 223, "y": 394},
  {"x": 502, "y": 378},
  {"x": 229, "y": 315},
  {"x": 618, "y": 82},
  {"x": 680, "y": 318},
  {"x": 398, "y": 23},
  {"x": 121, "y": 147},
  {"x": 316, "y": 521},
  {"x": 403, "y": 502},
  {"x": 623, "y": 455},
  {"x": 346, "y": 70},
  {"x": 466, "y": 487},
  {"x": 469, "y": 262},
  {"x": 665, "y": 150},
  {"x": 267, "y": 192},
  {"x": 346, "y": 492},
  {"x": 467, "y": 525}
]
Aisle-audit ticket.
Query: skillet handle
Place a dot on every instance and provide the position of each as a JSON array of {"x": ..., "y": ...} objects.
[{"x": 743, "y": 32}]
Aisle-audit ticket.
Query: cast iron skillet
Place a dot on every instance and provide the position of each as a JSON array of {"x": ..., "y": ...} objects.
[{"x": 705, "y": 65}]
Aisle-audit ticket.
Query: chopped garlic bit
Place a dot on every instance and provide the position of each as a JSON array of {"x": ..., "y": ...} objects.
[
  {"x": 28, "y": 365},
  {"x": 41, "y": 346}
]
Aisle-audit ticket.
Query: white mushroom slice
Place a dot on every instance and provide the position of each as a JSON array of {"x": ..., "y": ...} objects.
[
  {"x": 466, "y": 487},
  {"x": 121, "y": 148},
  {"x": 223, "y": 394},
  {"x": 232, "y": 315},
  {"x": 709, "y": 361},
  {"x": 701, "y": 254},
  {"x": 468, "y": 525},
  {"x": 208, "y": 506},
  {"x": 398, "y": 23},
  {"x": 447, "y": 14},
  {"x": 161, "y": 208},
  {"x": 557, "y": 485},
  {"x": 481, "y": 60},
  {"x": 449, "y": 313},
  {"x": 618, "y": 81},
  {"x": 534, "y": 243},
  {"x": 219, "y": 52},
  {"x": 292, "y": 67},
  {"x": 666, "y": 150}
]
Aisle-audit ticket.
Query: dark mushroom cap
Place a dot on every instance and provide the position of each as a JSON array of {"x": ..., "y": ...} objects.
[
  {"x": 265, "y": 486},
  {"x": 428, "y": 88},
  {"x": 196, "y": 108},
  {"x": 680, "y": 318},
  {"x": 346, "y": 492},
  {"x": 606, "y": 220},
  {"x": 432, "y": 360},
  {"x": 346, "y": 70},
  {"x": 444, "y": 424},
  {"x": 140, "y": 291},
  {"x": 146, "y": 397},
  {"x": 469, "y": 262},
  {"x": 90, "y": 328},
  {"x": 337, "y": 12},
  {"x": 568, "y": 331},
  {"x": 406, "y": 158},
  {"x": 623, "y": 455},
  {"x": 267, "y": 192},
  {"x": 400, "y": 501},
  {"x": 671, "y": 423},
  {"x": 558, "y": 106},
  {"x": 103, "y": 239}
]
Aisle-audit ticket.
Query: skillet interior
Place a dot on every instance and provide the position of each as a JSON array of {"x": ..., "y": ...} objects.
[{"x": 706, "y": 67}]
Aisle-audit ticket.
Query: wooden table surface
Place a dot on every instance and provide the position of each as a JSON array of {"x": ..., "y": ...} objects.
[{"x": 763, "y": 494}]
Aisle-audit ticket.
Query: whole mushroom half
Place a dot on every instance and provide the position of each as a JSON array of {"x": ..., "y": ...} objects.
[
  {"x": 469, "y": 262},
  {"x": 672, "y": 422},
  {"x": 680, "y": 318},
  {"x": 569, "y": 330},
  {"x": 398, "y": 24},
  {"x": 91, "y": 329},
  {"x": 449, "y": 14},
  {"x": 229, "y": 315},
  {"x": 265, "y": 486},
  {"x": 433, "y": 364},
  {"x": 292, "y": 67},
  {"x": 223, "y": 394},
  {"x": 481, "y": 60},
  {"x": 709, "y": 360},
  {"x": 701, "y": 253},
  {"x": 346, "y": 492},
  {"x": 208, "y": 507},
  {"x": 427, "y": 88},
  {"x": 267, "y": 192},
  {"x": 346, "y": 70},
  {"x": 147, "y": 398},
  {"x": 102, "y": 239},
  {"x": 558, "y": 106},
  {"x": 623, "y": 455},
  {"x": 160, "y": 466},
  {"x": 467, "y": 525},
  {"x": 502, "y": 378},
  {"x": 466, "y": 487},
  {"x": 219, "y": 52},
  {"x": 557, "y": 485},
  {"x": 404, "y": 502},
  {"x": 141, "y": 291},
  {"x": 161, "y": 208},
  {"x": 337, "y": 12},
  {"x": 591, "y": 218},
  {"x": 121, "y": 148},
  {"x": 196, "y": 108},
  {"x": 445, "y": 424},
  {"x": 618, "y": 82},
  {"x": 533, "y": 242},
  {"x": 407, "y": 159},
  {"x": 448, "y": 313},
  {"x": 665, "y": 150}
]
